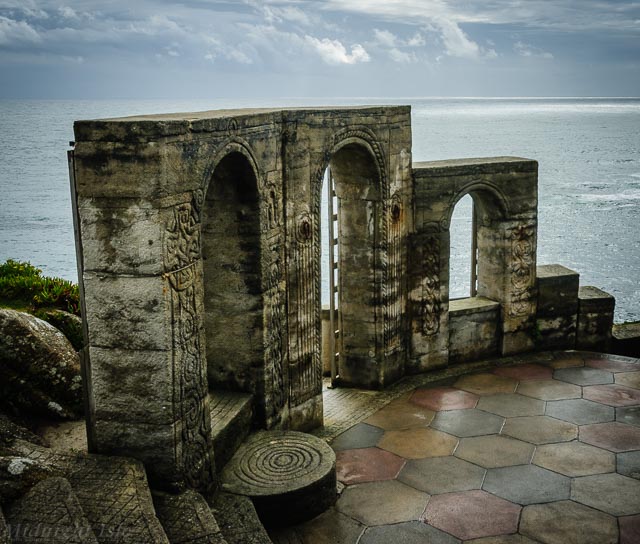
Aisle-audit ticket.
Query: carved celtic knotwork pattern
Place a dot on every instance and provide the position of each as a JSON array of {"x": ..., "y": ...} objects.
[
  {"x": 190, "y": 379},
  {"x": 275, "y": 323},
  {"x": 521, "y": 268},
  {"x": 392, "y": 268},
  {"x": 431, "y": 301}
]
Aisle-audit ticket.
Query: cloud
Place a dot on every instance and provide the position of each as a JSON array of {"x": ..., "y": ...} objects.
[
  {"x": 384, "y": 37},
  {"x": 402, "y": 57},
  {"x": 14, "y": 32},
  {"x": 527, "y": 50},
  {"x": 333, "y": 52},
  {"x": 458, "y": 44}
]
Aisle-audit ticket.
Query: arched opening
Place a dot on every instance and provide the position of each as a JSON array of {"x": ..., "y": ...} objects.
[
  {"x": 233, "y": 303},
  {"x": 352, "y": 232},
  {"x": 463, "y": 250}
]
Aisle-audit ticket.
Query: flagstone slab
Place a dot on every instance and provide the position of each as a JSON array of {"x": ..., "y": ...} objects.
[
  {"x": 630, "y": 379},
  {"x": 442, "y": 475},
  {"x": 381, "y": 503},
  {"x": 612, "y": 493},
  {"x": 444, "y": 398},
  {"x": 566, "y": 522},
  {"x": 580, "y": 411},
  {"x": 629, "y": 529},
  {"x": 464, "y": 423},
  {"x": 549, "y": 390},
  {"x": 330, "y": 527},
  {"x": 613, "y": 436},
  {"x": 583, "y": 376},
  {"x": 629, "y": 415},
  {"x": 401, "y": 414},
  {"x": 540, "y": 429},
  {"x": 358, "y": 436},
  {"x": 525, "y": 372},
  {"x": 494, "y": 451},
  {"x": 527, "y": 484},
  {"x": 628, "y": 464},
  {"x": 367, "y": 465},
  {"x": 472, "y": 514},
  {"x": 511, "y": 405},
  {"x": 613, "y": 365},
  {"x": 486, "y": 384},
  {"x": 411, "y": 532},
  {"x": 574, "y": 459},
  {"x": 418, "y": 443},
  {"x": 613, "y": 395}
]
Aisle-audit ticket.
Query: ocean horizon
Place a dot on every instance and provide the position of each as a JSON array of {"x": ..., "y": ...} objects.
[{"x": 588, "y": 151}]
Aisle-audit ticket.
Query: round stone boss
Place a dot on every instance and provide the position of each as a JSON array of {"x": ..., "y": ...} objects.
[{"x": 289, "y": 475}]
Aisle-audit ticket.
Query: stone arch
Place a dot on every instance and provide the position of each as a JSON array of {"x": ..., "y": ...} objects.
[
  {"x": 232, "y": 275},
  {"x": 359, "y": 168}
]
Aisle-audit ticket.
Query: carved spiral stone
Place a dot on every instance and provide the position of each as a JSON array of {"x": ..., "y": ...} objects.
[{"x": 289, "y": 475}]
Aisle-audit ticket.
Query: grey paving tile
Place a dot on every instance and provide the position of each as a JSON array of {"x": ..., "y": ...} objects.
[
  {"x": 527, "y": 484},
  {"x": 540, "y": 429},
  {"x": 358, "y": 436},
  {"x": 628, "y": 464},
  {"x": 511, "y": 405},
  {"x": 331, "y": 527},
  {"x": 549, "y": 390},
  {"x": 580, "y": 411},
  {"x": 441, "y": 475},
  {"x": 566, "y": 522},
  {"x": 583, "y": 376},
  {"x": 612, "y": 493},
  {"x": 629, "y": 415},
  {"x": 412, "y": 532},
  {"x": 494, "y": 451},
  {"x": 463, "y": 423}
]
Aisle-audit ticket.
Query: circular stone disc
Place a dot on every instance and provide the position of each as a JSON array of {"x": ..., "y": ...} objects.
[{"x": 272, "y": 463}]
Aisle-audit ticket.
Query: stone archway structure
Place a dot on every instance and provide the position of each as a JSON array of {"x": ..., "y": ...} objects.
[{"x": 198, "y": 242}]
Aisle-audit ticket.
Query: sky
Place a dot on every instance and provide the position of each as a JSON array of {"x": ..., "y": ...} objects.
[{"x": 315, "y": 48}]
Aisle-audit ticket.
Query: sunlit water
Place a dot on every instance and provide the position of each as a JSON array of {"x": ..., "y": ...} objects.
[{"x": 589, "y": 184}]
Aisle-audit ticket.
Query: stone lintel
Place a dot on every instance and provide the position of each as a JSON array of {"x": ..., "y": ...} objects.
[{"x": 480, "y": 165}]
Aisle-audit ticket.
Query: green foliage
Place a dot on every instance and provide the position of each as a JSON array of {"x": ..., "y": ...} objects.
[{"x": 21, "y": 283}]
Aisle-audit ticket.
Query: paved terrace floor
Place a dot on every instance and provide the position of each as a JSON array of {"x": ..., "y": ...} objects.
[{"x": 540, "y": 448}]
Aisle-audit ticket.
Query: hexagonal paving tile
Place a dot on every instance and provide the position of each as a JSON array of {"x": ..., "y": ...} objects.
[
  {"x": 611, "y": 436},
  {"x": 567, "y": 522},
  {"x": 628, "y": 464},
  {"x": 503, "y": 539},
  {"x": 486, "y": 384},
  {"x": 580, "y": 411},
  {"x": 613, "y": 395},
  {"x": 472, "y": 422},
  {"x": 584, "y": 375},
  {"x": 379, "y": 503},
  {"x": 525, "y": 372},
  {"x": 574, "y": 459},
  {"x": 630, "y": 379},
  {"x": 549, "y": 390},
  {"x": 494, "y": 451},
  {"x": 401, "y": 414},
  {"x": 629, "y": 529},
  {"x": 418, "y": 443},
  {"x": 410, "y": 532},
  {"x": 620, "y": 365},
  {"x": 527, "y": 484},
  {"x": 472, "y": 514},
  {"x": 441, "y": 475},
  {"x": 612, "y": 493},
  {"x": 629, "y": 415},
  {"x": 567, "y": 362},
  {"x": 358, "y": 436},
  {"x": 540, "y": 429},
  {"x": 367, "y": 465},
  {"x": 511, "y": 405},
  {"x": 444, "y": 398},
  {"x": 328, "y": 528}
]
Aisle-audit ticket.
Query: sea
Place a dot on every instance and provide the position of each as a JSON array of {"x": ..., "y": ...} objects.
[{"x": 588, "y": 151}]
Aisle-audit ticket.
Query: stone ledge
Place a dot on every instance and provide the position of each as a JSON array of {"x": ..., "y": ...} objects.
[
  {"x": 480, "y": 165},
  {"x": 471, "y": 305}
]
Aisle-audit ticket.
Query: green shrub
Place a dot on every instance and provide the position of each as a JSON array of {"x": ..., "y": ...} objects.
[{"x": 21, "y": 283}]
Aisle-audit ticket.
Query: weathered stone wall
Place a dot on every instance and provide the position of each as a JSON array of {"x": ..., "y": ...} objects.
[{"x": 504, "y": 190}]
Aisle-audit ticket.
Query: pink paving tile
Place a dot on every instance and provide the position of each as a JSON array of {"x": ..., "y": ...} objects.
[
  {"x": 614, "y": 365},
  {"x": 367, "y": 465},
  {"x": 472, "y": 514},
  {"x": 611, "y": 436},
  {"x": 444, "y": 398},
  {"x": 612, "y": 394},
  {"x": 629, "y": 529},
  {"x": 525, "y": 372}
]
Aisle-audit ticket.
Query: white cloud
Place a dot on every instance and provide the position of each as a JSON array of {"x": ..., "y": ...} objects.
[
  {"x": 458, "y": 44},
  {"x": 68, "y": 12},
  {"x": 402, "y": 57},
  {"x": 333, "y": 52},
  {"x": 417, "y": 40},
  {"x": 527, "y": 50},
  {"x": 16, "y": 32},
  {"x": 384, "y": 37}
]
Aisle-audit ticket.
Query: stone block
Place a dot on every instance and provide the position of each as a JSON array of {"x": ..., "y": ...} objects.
[
  {"x": 473, "y": 328},
  {"x": 557, "y": 332},
  {"x": 626, "y": 339},
  {"x": 595, "y": 319},
  {"x": 127, "y": 312},
  {"x": 557, "y": 291}
]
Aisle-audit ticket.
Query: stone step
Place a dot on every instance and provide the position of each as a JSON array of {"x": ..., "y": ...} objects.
[
  {"x": 49, "y": 513},
  {"x": 289, "y": 476},
  {"x": 113, "y": 492},
  {"x": 231, "y": 415},
  {"x": 239, "y": 520},
  {"x": 187, "y": 518}
]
